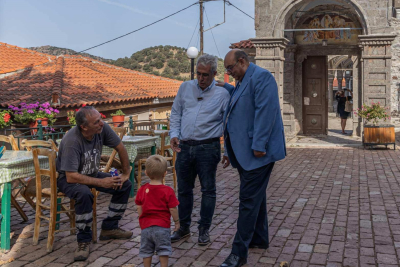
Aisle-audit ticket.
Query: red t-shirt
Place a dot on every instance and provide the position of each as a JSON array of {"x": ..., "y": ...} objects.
[{"x": 156, "y": 200}]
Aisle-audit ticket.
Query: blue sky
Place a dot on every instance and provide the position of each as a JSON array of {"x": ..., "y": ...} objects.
[{"x": 79, "y": 24}]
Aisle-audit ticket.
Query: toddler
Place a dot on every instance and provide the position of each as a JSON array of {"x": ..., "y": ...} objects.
[{"x": 155, "y": 204}]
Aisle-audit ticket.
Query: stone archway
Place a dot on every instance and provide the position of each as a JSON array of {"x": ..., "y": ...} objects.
[{"x": 283, "y": 56}]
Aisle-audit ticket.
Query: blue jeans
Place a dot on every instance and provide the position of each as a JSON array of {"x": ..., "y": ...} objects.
[{"x": 201, "y": 160}]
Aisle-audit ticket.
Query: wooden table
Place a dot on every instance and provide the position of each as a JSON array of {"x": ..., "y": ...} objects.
[{"x": 13, "y": 165}]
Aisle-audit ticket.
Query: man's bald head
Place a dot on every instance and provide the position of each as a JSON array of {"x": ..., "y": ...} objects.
[{"x": 236, "y": 63}]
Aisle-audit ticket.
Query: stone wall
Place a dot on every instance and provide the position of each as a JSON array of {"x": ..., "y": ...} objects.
[{"x": 395, "y": 72}]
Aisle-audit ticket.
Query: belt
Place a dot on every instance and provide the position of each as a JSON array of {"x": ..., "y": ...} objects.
[{"x": 200, "y": 142}]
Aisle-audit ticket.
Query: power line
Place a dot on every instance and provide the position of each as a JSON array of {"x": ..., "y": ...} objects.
[
  {"x": 229, "y": 3},
  {"x": 212, "y": 32},
  {"x": 139, "y": 28},
  {"x": 193, "y": 34}
]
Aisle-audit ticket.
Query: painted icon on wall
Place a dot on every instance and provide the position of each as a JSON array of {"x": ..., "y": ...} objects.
[{"x": 327, "y": 21}]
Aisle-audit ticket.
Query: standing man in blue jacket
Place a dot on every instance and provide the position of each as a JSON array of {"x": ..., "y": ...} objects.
[{"x": 254, "y": 140}]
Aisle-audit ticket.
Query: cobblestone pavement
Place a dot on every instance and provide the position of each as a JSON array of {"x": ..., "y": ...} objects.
[{"x": 327, "y": 207}]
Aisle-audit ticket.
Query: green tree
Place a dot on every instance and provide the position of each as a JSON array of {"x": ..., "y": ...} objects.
[
  {"x": 159, "y": 64},
  {"x": 172, "y": 63},
  {"x": 147, "y": 68}
]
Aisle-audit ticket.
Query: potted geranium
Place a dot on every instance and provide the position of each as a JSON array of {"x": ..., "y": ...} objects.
[
  {"x": 31, "y": 113},
  {"x": 376, "y": 130},
  {"x": 118, "y": 118},
  {"x": 5, "y": 118}
]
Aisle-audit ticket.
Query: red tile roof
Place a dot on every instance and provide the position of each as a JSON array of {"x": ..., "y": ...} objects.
[
  {"x": 26, "y": 75},
  {"x": 242, "y": 44}
]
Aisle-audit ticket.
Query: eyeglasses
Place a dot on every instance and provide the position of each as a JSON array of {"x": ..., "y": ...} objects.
[{"x": 230, "y": 68}]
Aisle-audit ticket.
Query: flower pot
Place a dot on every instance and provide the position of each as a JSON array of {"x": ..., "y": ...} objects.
[
  {"x": 34, "y": 124},
  {"x": 379, "y": 135},
  {"x": 118, "y": 120}
]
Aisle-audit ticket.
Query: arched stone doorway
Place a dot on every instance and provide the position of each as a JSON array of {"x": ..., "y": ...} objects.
[{"x": 298, "y": 31}]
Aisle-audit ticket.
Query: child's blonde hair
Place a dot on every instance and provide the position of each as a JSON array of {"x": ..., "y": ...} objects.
[{"x": 156, "y": 166}]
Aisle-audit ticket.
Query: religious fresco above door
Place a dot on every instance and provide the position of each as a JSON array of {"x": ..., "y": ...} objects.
[{"x": 327, "y": 20}]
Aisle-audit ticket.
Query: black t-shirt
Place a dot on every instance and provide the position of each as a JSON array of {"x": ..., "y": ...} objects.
[{"x": 77, "y": 154}]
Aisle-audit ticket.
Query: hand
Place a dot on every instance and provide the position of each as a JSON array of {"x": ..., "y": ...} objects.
[
  {"x": 177, "y": 226},
  {"x": 124, "y": 178},
  {"x": 219, "y": 83},
  {"x": 111, "y": 182},
  {"x": 259, "y": 154},
  {"x": 175, "y": 145},
  {"x": 225, "y": 161}
]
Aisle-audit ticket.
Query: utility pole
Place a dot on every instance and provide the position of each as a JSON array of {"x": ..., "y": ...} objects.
[{"x": 201, "y": 27}]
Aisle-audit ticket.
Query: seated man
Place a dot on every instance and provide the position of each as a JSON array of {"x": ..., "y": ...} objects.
[{"x": 78, "y": 165}]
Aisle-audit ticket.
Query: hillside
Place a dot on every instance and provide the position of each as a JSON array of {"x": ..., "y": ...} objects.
[
  {"x": 56, "y": 51},
  {"x": 166, "y": 61}
]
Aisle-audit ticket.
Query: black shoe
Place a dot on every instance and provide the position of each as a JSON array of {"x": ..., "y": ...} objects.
[
  {"x": 180, "y": 234},
  {"x": 258, "y": 246},
  {"x": 204, "y": 236},
  {"x": 233, "y": 261}
]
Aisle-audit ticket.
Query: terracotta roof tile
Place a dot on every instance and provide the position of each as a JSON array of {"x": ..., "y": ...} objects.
[
  {"x": 76, "y": 79},
  {"x": 242, "y": 44}
]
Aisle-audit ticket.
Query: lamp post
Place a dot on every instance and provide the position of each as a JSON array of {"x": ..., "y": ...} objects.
[{"x": 192, "y": 53}]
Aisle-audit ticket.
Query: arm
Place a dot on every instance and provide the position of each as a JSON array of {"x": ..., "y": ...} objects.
[
  {"x": 123, "y": 156},
  {"x": 176, "y": 115},
  {"x": 77, "y": 178},
  {"x": 139, "y": 210},
  {"x": 175, "y": 217},
  {"x": 266, "y": 110},
  {"x": 229, "y": 88}
]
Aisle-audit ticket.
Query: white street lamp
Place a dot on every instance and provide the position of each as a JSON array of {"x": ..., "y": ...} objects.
[{"x": 192, "y": 53}]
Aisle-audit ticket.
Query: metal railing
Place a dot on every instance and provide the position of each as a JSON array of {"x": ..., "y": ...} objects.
[{"x": 57, "y": 132}]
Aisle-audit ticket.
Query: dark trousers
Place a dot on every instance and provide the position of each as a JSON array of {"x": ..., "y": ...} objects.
[
  {"x": 252, "y": 224},
  {"x": 84, "y": 201},
  {"x": 201, "y": 160}
]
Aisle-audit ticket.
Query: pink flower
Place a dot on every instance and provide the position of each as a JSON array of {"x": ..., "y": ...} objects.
[
  {"x": 30, "y": 111},
  {"x": 56, "y": 111}
]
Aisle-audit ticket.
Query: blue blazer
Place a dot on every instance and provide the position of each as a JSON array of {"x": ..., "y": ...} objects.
[{"x": 254, "y": 120}]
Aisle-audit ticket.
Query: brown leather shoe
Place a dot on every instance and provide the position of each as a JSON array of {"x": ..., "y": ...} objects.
[
  {"x": 115, "y": 234},
  {"x": 82, "y": 252}
]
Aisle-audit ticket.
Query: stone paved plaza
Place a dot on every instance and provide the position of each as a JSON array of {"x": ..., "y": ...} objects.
[{"x": 327, "y": 207}]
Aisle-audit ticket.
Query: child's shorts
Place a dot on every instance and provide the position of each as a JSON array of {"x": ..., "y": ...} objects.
[{"x": 155, "y": 239}]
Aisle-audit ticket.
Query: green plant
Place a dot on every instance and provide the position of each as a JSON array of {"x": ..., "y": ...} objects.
[
  {"x": 373, "y": 112},
  {"x": 71, "y": 117},
  {"x": 118, "y": 113},
  {"x": 5, "y": 118},
  {"x": 26, "y": 113}
]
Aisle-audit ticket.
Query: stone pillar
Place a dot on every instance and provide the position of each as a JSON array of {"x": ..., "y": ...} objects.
[
  {"x": 339, "y": 79},
  {"x": 288, "y": 91},
  {"x": 270, "y": 56},
  {"x": 356, "y": 88},
  {"x": 331, "y": 77},
  {"x": 376, "y": 55}
]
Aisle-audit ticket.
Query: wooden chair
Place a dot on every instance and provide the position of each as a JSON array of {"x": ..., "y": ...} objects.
[
  {"x": 163, "y": 150},
  {"x": 52, "y": 194},
  {"x": 31, "y": 190},
  {"x": 10, "y": 140},
  {"x": 138, "y": 128},
  {"x": 21, "y": 183}
]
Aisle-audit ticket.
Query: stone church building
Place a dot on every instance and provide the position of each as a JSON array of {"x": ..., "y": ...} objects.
[{"x": 309, "y": 44}]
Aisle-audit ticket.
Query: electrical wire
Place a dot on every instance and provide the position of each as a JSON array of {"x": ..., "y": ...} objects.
[
  {"x": 109, "y": 41},
  {"x": 229, "y": 3},
  {"x": 193, "y": 34},
  {"x": 212, "y": 32}
]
